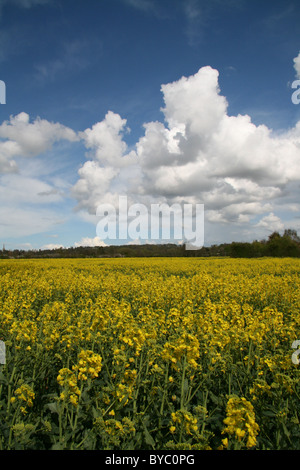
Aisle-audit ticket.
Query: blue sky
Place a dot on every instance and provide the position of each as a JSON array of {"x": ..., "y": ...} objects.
[{"x": 161, "y": 100}]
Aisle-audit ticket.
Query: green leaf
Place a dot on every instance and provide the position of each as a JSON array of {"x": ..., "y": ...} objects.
[
  {"x": 53, "y": 407},
  {"x": 57, "y": 446},
  {"x": 96, "y": 413},
  {"x": 148, "y": 438},
  {"x": 286, "y": 431},
  {"x": 271, "y": 414},
  {"x": 3, "y": 379},
  {"x": 216, "y": 400}
]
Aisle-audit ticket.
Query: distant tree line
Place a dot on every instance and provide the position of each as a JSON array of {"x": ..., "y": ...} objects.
[{"x": 286, "y": 245}]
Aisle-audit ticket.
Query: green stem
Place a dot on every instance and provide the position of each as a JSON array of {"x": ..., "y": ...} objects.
[
  {"x": 109, "y": 407},
  {"x": 10, "y": 389},
  {"x": 104, "y": 364},
  {"x": 191, "y": 395},
  {"x": 137, "y": 385},
  {"x": 74, "y": 425},
  {"x": 249, "y": 356},
  {"x": 60, "y": 416},
  {"x": 11, "y": 426},
  {"x": 163, "y": 397},
  {"x": 182, "y": 401}
]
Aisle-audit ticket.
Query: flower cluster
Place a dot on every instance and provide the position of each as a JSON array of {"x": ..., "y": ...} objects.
[
  {"x": 240, "y": 422},
  {"x": 68, "y": 381},
  {"x": 25, "y": 395},
  {"x": 89, "y": 365},
  {"x": 185, "y": 347},
  {"x": 113, "y": 432},
  {"x": 185, "y": 420}
]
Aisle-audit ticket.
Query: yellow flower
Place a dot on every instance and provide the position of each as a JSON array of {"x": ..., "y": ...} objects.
[
  {"x": 68, "y": 381},
  {"x": 89, "y": 365},
  {"x": 240, "y": 421},
  {"x": 24, "y": 394},
  {"x": 74, "y": 399},
  {"x": 167, "y": 327},
  {"x": 225, "y": 442}
]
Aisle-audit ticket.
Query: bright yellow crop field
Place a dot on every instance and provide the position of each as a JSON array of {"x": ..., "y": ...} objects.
[{"x": 164, "y": 353}]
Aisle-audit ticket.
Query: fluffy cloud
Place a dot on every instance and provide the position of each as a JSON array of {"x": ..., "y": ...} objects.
[
  {"x": 21, "y": 138},
  {"x": 27, "y": 201},
  {"x": 271, "y": 222},
  {"x": 213, "y": 145},
  {"x": 51, "y": 246},
  {"x": 86, "y": 241},
  {"x": 246, "y": 176},
  {"x": 105, "y": 138},
  {"x": 109, "y": 169},
  {"x": 93, "y": 186},
  {"x": 238, "y": 170},
  {"x": 297, "y": 65}
]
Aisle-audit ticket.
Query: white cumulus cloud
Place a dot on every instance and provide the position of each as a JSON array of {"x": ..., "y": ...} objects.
[
  {"x": 86, "y": 241},
  {"x": 246, "y": 175},
  {"x": 200, "y": 153},
  {"x": 52, "y": 246},
  {"x": 22, "y": 138},
  {"x": 297, "y": 65}
]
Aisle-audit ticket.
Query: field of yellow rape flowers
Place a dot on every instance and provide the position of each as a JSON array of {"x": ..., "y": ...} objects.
[{"x": 158, "y": 353}]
